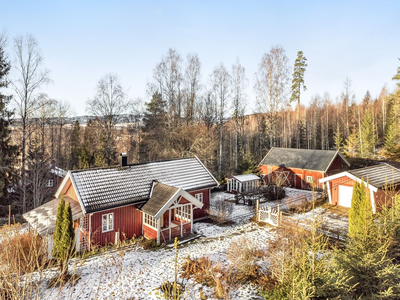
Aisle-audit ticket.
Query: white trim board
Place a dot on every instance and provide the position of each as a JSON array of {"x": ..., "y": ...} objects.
[{"x": 351, "y": 176}]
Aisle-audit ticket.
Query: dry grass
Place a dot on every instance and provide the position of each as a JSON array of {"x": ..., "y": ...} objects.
[
  {"x": 243, "y": 255},
  {"x": 205, "y": 272}
]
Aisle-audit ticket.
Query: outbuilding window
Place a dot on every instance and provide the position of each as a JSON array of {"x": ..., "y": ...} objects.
[
  {"x": 108, "y": 222},
  {"x": 199, "y": 197},
  {"x": 150, "y": 220},
  {"x": 309, "y": 179},
  {"x": 50, "y": 183}
]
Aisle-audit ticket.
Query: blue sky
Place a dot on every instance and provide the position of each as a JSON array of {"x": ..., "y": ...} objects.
[{"x": 82, "y": 41}]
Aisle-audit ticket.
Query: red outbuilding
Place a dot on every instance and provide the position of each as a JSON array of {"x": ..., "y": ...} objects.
[
  {"x": 382, "y": 183},
  {"x": 159, "y": 200},
  {"x": 301, "y": 168}
]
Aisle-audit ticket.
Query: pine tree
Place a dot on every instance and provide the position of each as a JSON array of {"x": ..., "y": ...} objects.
[
  {"x": 298, "y": 81},
  {"x": 75, "y": 146},
  {"x": 58, "y": 231},
  {"x": 154, "y": 129},
  {"x": 338, "y": 139},
  {"x": 368, "y": 135},
  {"x": 8, "y": 152}
]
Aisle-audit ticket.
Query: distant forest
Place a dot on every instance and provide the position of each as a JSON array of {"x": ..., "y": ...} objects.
[{"x": 189, "y": 113}]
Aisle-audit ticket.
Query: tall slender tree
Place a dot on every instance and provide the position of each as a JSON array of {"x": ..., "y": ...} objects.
[
  {"x": 297, "y": 82},
  {"x": 271, "y": 87},
  {"x": 28, "y": 78},
  {"x": 8, "y": 151}
]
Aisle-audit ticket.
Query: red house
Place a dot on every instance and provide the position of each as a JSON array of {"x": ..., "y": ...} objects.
[
  {"x": 382, "y": 183},
  {"x": 299, "y": 168},
  {"x": 159, "y": 200}
]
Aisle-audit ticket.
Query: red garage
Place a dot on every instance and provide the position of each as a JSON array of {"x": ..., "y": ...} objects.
[{"x": 382, "y": 183}]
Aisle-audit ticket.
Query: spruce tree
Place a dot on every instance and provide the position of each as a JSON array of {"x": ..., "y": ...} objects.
[
  {"x": 338, "y": 139},
  {"x": 368, "y": 135},
  {"x": 354, "y": 209},
  {"x": 68, "y": 233},
  {"x": 58, "y": 231},
  {"x": 352, "y": 145},
  {"x": 8, "y": 152}
]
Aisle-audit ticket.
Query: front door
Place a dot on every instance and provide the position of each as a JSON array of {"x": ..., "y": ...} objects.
[{"x": 298, "y": 181}]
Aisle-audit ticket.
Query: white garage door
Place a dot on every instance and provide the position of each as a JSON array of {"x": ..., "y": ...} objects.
[{"x": 345, "y": 194}]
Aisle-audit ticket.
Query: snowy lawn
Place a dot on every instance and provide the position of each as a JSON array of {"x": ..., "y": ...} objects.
[{"x": 137, "y": 274}]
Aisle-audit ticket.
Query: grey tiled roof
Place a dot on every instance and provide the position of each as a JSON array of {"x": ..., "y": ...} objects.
[
  {"x": 159, "y": 197},
  {"x": 106, "y": 188},
  {"x": 316, "y": 160},
  {"x": 378, "y": 175}
]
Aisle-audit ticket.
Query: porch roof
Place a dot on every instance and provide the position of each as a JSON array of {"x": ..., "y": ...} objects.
[
  {"x": 43, "y": 218},
  {"x": 163, "y": 196}
]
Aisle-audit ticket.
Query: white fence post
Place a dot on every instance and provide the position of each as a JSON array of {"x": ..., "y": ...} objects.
[
  {"x": 50, "y": 246},
  {"x": 78, "y": 240}
]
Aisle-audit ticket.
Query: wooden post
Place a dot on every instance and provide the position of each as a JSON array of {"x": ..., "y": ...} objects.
[
  {"x": 158, "y": 230},
  {"x": 257, "y": 210},
  {"x": 279, "y": 215},
  {"x": 169, "y": 224},
  {"x": 180, "y": 214},
  {"x": 9, "y": 215},
  {"x": 191, "y": 218}
]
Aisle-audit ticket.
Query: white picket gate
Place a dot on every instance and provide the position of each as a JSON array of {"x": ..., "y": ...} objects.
[{"x": 270, "y": 215}]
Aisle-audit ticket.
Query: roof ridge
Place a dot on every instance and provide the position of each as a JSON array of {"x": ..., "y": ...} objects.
[{"x": 129, "y": 165}]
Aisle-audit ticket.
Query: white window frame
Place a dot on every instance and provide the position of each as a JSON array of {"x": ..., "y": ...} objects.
[
  {"x": 50, "y": 183},
  {"x": 109, "y": 225},
  {"x": 183, "y": 213},
  {"x": 149, "y": 221},
  {"x": 309, "y": 179},
  {"x": 199, "y": 197}
]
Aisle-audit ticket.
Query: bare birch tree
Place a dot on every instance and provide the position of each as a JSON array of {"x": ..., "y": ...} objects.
[
  {"x": 192, "y": 87},
  {"x": 271, "y": 87},
  {"x": 28, "y": 79},
  {"x": 239, "y": 84},
  {"x": 221, "y": 86},
  {"x": 108, "y": 104}
]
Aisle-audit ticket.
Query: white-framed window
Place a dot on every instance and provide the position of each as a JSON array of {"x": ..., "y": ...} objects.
[
  {"x": 199, "y": 197},
  {"x": 108, "y": 222},
  {"x": 150, "y": 220},
  {"x": 183, "y": 212},
  {"x": 309, "y": 179},
  {"x": 50, "y": 183}
]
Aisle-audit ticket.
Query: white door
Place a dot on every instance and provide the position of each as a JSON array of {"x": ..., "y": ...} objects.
[{"x": 345, "y": 194}]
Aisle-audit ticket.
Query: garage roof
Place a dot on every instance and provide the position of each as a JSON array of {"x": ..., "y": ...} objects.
[{"x": 379, "y": 175}]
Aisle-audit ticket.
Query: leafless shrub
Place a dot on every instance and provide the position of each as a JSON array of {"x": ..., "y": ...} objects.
[
  {"x": 220, "y": 211},
  {"x": 204, "y": 271},
  {"x": 243, "y": 255}
]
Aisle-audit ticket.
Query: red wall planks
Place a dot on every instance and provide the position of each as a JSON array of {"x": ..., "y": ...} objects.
[
  {"x": 200, "y": 213},
  {"x": 127, "y": 221}
]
